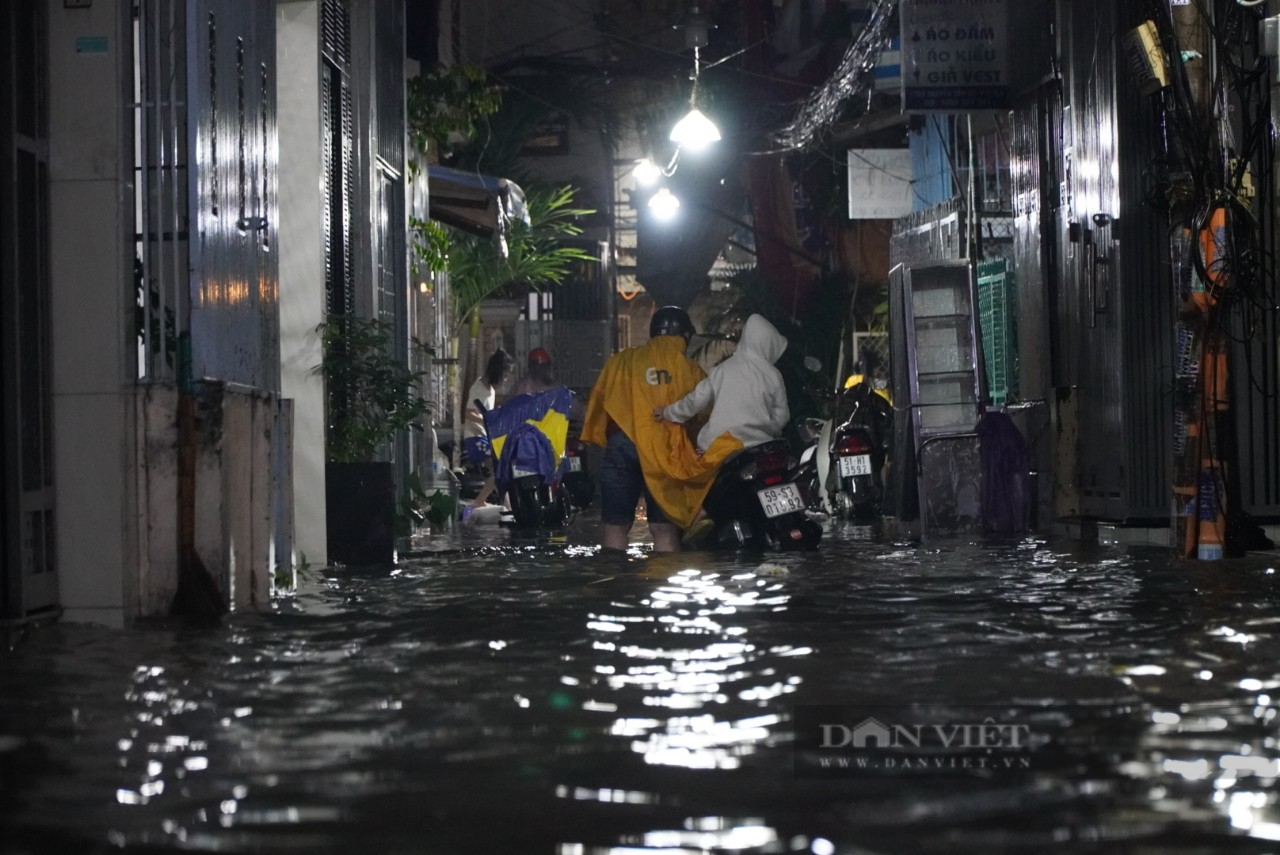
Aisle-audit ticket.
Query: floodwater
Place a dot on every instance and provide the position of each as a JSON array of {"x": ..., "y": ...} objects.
[{"x": 495, "y": 695}]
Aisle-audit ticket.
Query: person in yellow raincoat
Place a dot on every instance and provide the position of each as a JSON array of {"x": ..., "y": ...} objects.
[{"x": 644, "y": 455}]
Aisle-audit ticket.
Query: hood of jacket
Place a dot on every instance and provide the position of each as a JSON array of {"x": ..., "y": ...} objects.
[{"x": 761, "y": 339}]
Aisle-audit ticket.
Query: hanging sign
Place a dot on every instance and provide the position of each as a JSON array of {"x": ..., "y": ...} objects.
[
  {"x": 879, "y": 183},
  {"x": 955, "y": 55}
]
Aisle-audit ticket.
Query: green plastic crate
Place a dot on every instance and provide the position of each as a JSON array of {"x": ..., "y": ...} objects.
[{"x": 997, "y": 317}]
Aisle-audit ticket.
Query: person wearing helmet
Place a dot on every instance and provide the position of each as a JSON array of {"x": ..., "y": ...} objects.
[
  {"x": 638, "y": 448},
  {"x": 539, "y": 376}
]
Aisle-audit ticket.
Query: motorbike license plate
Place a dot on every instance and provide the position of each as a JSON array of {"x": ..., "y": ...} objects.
[
  {"x": 857, "y": 465},
  {"x": 779, "y": 500},
  {"x": 575, "y": 464}
]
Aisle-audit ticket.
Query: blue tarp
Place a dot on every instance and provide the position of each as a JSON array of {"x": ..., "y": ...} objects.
[{"x": 528, "y": 433}]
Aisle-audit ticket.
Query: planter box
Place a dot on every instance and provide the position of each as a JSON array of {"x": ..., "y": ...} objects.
[{"x": 360, "y": 500}]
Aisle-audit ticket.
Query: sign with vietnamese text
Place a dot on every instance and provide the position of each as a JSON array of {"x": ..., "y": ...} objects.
[{"x": 955, "y": 55}]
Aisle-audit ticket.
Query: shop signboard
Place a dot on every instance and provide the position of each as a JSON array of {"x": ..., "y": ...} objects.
[{"x": 955, "y": 55}]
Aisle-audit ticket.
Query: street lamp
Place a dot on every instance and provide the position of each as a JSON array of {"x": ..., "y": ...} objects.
[{"x": 695, "y": 131}]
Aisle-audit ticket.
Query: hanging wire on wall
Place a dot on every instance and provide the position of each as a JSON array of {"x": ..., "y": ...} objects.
[{"x": 849, "y": 80}]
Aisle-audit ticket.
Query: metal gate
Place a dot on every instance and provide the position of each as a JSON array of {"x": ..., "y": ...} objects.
[
  {"x": 580, "y": 348},
  {"x": 28, "y": 581},
  {"x": 1114, "y": 309}
]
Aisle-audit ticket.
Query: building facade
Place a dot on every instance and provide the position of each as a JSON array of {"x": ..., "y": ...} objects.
[{"x": 163, "y": 269}]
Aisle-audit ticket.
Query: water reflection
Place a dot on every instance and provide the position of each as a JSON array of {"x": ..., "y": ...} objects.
[
  {"x": 540, "y": 698},
  {"x": 685, "y": 646}
]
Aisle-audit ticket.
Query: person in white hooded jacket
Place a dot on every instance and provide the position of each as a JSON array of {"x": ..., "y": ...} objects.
[{"x": 746, "y": 392}]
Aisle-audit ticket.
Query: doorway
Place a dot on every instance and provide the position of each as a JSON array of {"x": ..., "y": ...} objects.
[{"x": 28, "y": 578}]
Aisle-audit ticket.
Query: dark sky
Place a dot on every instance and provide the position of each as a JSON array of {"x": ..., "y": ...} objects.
[{"x": 420, "y": 18}]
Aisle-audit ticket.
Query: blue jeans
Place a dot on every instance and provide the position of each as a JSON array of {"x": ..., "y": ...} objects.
[{"x": 622, "y": 484}]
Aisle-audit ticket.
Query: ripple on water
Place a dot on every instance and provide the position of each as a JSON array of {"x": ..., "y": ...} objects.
[{"x": 546, "y": 697}]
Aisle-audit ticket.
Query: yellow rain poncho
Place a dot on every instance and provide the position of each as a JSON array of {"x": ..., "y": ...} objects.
[{"x": 631, "y": 385}]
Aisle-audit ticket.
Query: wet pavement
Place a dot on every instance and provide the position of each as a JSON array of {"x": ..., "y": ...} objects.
[{"x": 494, "y": 694}]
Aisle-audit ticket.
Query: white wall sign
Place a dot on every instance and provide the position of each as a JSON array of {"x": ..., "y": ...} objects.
[
  {"x": 879, "y": 183},
  {"x": 955, "y": 55}
]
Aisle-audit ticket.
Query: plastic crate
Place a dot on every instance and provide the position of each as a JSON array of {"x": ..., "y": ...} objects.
[{"x": 997, "y": 317}]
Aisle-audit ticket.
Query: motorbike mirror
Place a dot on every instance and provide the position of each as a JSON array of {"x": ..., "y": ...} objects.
[
  {"x": 812, "y": 363},
  {"x": 808, "y": 430}
]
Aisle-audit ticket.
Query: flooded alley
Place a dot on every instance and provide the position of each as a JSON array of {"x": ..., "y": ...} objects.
[{"x": 492, "y": 695}]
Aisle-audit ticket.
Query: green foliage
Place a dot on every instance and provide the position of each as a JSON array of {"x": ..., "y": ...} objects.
[
  {"x": 371, "y": 394},
  {"x": 285, "y": 579},
  {"x": 878, "y": 321},
  {"x": 429, "y": 242},
  {"x": 446, "y": 105},
  {"x": 534, "y": 255},
  {"x": 282, "y": 580},
  {"x": 417, "y": 506}
]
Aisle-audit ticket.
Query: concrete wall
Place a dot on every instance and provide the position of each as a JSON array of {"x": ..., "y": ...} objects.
[
  {"x": 302, "y": 296},
  {"x": 115, "y": 473},
  {"x": 240, "y": 437},
  {"x": 90, "y": 186}
]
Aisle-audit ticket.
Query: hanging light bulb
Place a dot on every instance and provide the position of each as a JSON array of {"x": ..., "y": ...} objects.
[
  {"x": 695, "y": 131},
  {"x": 646, "y": 172},
  {"x": 664, "y": 204}
]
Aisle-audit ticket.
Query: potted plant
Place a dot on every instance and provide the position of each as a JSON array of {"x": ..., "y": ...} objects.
[{"x": 371, "y": 395}]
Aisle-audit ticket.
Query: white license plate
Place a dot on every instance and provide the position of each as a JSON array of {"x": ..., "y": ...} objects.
[
  {"x": 779, "y": 500},
  {"x": 858, "y": 465},
  {"x": 575, "y": 464}
]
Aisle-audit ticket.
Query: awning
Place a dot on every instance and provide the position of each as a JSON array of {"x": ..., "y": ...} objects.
[{"x": 480, "y": 204}]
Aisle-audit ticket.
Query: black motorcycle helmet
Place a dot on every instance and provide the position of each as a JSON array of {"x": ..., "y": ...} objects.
[{"x": 671, "y": 320}]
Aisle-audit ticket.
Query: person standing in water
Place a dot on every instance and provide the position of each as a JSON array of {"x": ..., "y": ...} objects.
[{"x": 620, "y": 417}]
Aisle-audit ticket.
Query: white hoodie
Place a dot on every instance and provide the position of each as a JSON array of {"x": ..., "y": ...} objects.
[{"x": 750, "y": 400}]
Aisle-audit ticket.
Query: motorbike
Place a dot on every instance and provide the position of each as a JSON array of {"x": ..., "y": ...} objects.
[
  {"x": 528, "y": 436},
  {"x": 755, "y": 502},
  {"x": 575, "y": 477},
  {"x": 857, "y": 444},
  {"x": 806, "y": 475}
]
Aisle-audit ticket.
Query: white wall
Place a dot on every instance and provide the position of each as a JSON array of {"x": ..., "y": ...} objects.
[
  {"x": 91, "y": 290},
  {"x": 302, "y": 261}
]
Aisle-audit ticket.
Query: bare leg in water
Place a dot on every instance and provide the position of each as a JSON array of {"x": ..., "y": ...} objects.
[{"x": 666, "y": 537}]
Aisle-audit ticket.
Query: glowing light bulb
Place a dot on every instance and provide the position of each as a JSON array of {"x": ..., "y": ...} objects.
[
  {"x": 664, "y": 204},
  {"x": 695, "y": 131},
  {"x": 646, "y": 172}
]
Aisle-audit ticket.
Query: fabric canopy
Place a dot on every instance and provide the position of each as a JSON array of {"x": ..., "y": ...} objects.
[{"x": 480, "y": 204}]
